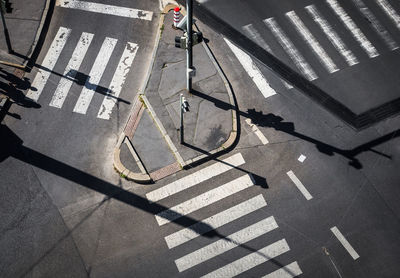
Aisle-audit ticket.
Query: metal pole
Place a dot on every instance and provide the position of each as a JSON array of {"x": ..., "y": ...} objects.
[
  {"x": 6, "y": 35},
  {"x": 189, "y": 56},
  {"x": 181, "y": 109}
]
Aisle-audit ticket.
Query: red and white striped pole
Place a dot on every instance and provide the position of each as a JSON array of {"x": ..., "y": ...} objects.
[{"x": 177, "y": 15}]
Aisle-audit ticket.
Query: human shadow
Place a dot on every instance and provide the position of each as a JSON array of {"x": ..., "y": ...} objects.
[{"x": 13, "y": 88}]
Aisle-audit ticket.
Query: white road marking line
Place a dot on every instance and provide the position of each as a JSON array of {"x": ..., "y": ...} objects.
[
  {"x": 354, "y": 30},
  {"x": 301, "y": 158},
  {"x": 252, "y": 70},
  {"x": 196, "y": 178},
  {"x": 299, "y": 185},
  {"x": 95, "y": 75},
  {"x": 118, "y": 81},
  {"x": 70, "y": 71},
  {"x": 49, "y": 62},
  {"x": 257, "y": 132},
  {"x": 333, "y": 37},
  {"x": 390, "y": 11},
  {"x": 345, "y": 243},
  {"x": 379, "y": 29},
  {"x": 256, "y": 37},
  {"x": 225, "y": 244},
  {"x": 312, "y": 42},
  {"x": 105, "y": 9},
  {"x": 215, "y": 221},
  {"x": 288, "y": 271},
  {"x": 290, "y": 49},
  {"x": 252, "y": 260},
  {"x": 204, "y": 199}
]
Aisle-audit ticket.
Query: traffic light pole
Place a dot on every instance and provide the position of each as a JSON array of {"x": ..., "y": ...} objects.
[
  {"x": 6, "y": 35},
  {"x": 181, "y": 114},
  {"x": 189, "y": 55}
]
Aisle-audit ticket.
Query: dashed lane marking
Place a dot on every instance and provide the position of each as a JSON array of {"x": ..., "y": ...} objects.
[
  {"x": 299, "y": 185},
  {"x": 345, "y": 243}
]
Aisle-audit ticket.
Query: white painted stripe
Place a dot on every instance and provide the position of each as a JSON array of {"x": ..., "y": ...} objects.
[
  {"x": 256, "y": 37},
  {"x": 204, "y": 199},
  {"x": 95, "y": 75},
  {"x": 118, "y": 81},
  {"x": 376, "y": 25},
  {"x": 225, "y": 244},
  {"x": 290, "y": 49},
  {"x": 288, "y": 271},
  {"x": 390, "y": 11},
  {"x": 105, "y": 9},
  {"x": 252, "y": 70},
  {"x": 333, "y": 37},
  {"x": 354, "y": 30},
  {"x": 49, "y": 62},
  {"x": 257, "y": 132},
  {"x": 252, "y": 260},
  {"x": 196, "y": 178},
  {"x": 215, "y": 221},
  {"x": 312, "y": 42},
  {"x": 301, "y": 158},
  {"x": 70, "y": 71},
  {"x": 345, "y": 243},
  {"x": 299, "y": 185}
]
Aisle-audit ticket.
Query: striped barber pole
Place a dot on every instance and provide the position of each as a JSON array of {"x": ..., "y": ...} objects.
[{"x": 177, "y": 15}]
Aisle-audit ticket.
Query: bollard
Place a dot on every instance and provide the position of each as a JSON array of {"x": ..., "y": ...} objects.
[{"x": 177, "y": 15}]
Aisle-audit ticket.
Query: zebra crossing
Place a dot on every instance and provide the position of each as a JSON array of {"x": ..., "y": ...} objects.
[
  {"x": 316, "y": 15},
  {"x": 224, "y": 244},
  {"x": 99, "y": 66}
]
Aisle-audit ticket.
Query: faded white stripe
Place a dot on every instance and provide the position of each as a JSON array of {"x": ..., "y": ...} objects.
[
  {"x": 288, "y": 271},
  {"x": 379, "y": 29},
  {"x": 312, "y": 42},
  {"x": 252, "y": 70},
  {"x": 204, "y": 199},
  {"x": 256, "y": 37},
  {"x": 70, "y": 71},
  {"x": 299, "y": 185},
  {"x": 390, "y": 11},
  {"x": 196, "y": 178},
  {"x": 225, "y": 244},
  {"x": 333, "y": 37},
  {"x": 105, "y": 9},
  {"x": 345, "y": 243},
  {"x": 257, "y": 132},
  {"x": 290, "y": 49},
  {"x": 352, "y": 27},
  {"x": 252, "y": 260},
  {"x": 95, "y": 75},
  {"x": 118, "y": 81},
  {"x": 49, "y": 62},
  {"x": 215, "y": 221}
]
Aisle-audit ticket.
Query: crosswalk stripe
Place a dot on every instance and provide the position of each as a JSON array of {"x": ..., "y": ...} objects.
[
  {"x": 354, "y": 30},
  {"x": 312, "y": 42},
  {"x": 70, "y": 71},
  {"x": 345, "y": 243},
  {"x": 376, "y": 25},
  {"x": 225, "y": 244},
  {"x": 105, "y": 9},
  {"x": 252, "y": 260},
  {"x": 332, "y": 35},
  {"x": 390, "y": 11},
  {"x": 215, "y": 221},
  {"x": 196, "y": 178},
  {"x": 256, "y": 37},
  {"x": 290, "y": 49},
  {"x": 118, "y": 80},
  {"x": 49, "y": 62},
  {"x": 204, "y": 199},
  {"x": 252, "y": 70},
  {"x": 288, "y": 271},
  {"x": 95, "y": 75},
  {"x": 299, "y": 185}
]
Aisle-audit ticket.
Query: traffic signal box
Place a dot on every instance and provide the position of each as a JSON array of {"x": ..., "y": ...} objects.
[{"x": 181, "y": 42}]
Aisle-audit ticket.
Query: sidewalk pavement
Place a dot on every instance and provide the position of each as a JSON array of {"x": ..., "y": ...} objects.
[
  {"x": 26, "y": 26},
  {"x": 149, "y": 148}
]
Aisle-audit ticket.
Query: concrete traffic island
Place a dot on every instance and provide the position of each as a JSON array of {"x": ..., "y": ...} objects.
[{"x": 149, "y": 148}]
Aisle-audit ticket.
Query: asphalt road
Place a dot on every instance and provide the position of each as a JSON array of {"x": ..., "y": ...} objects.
[{"x": 66, "y": 213}]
